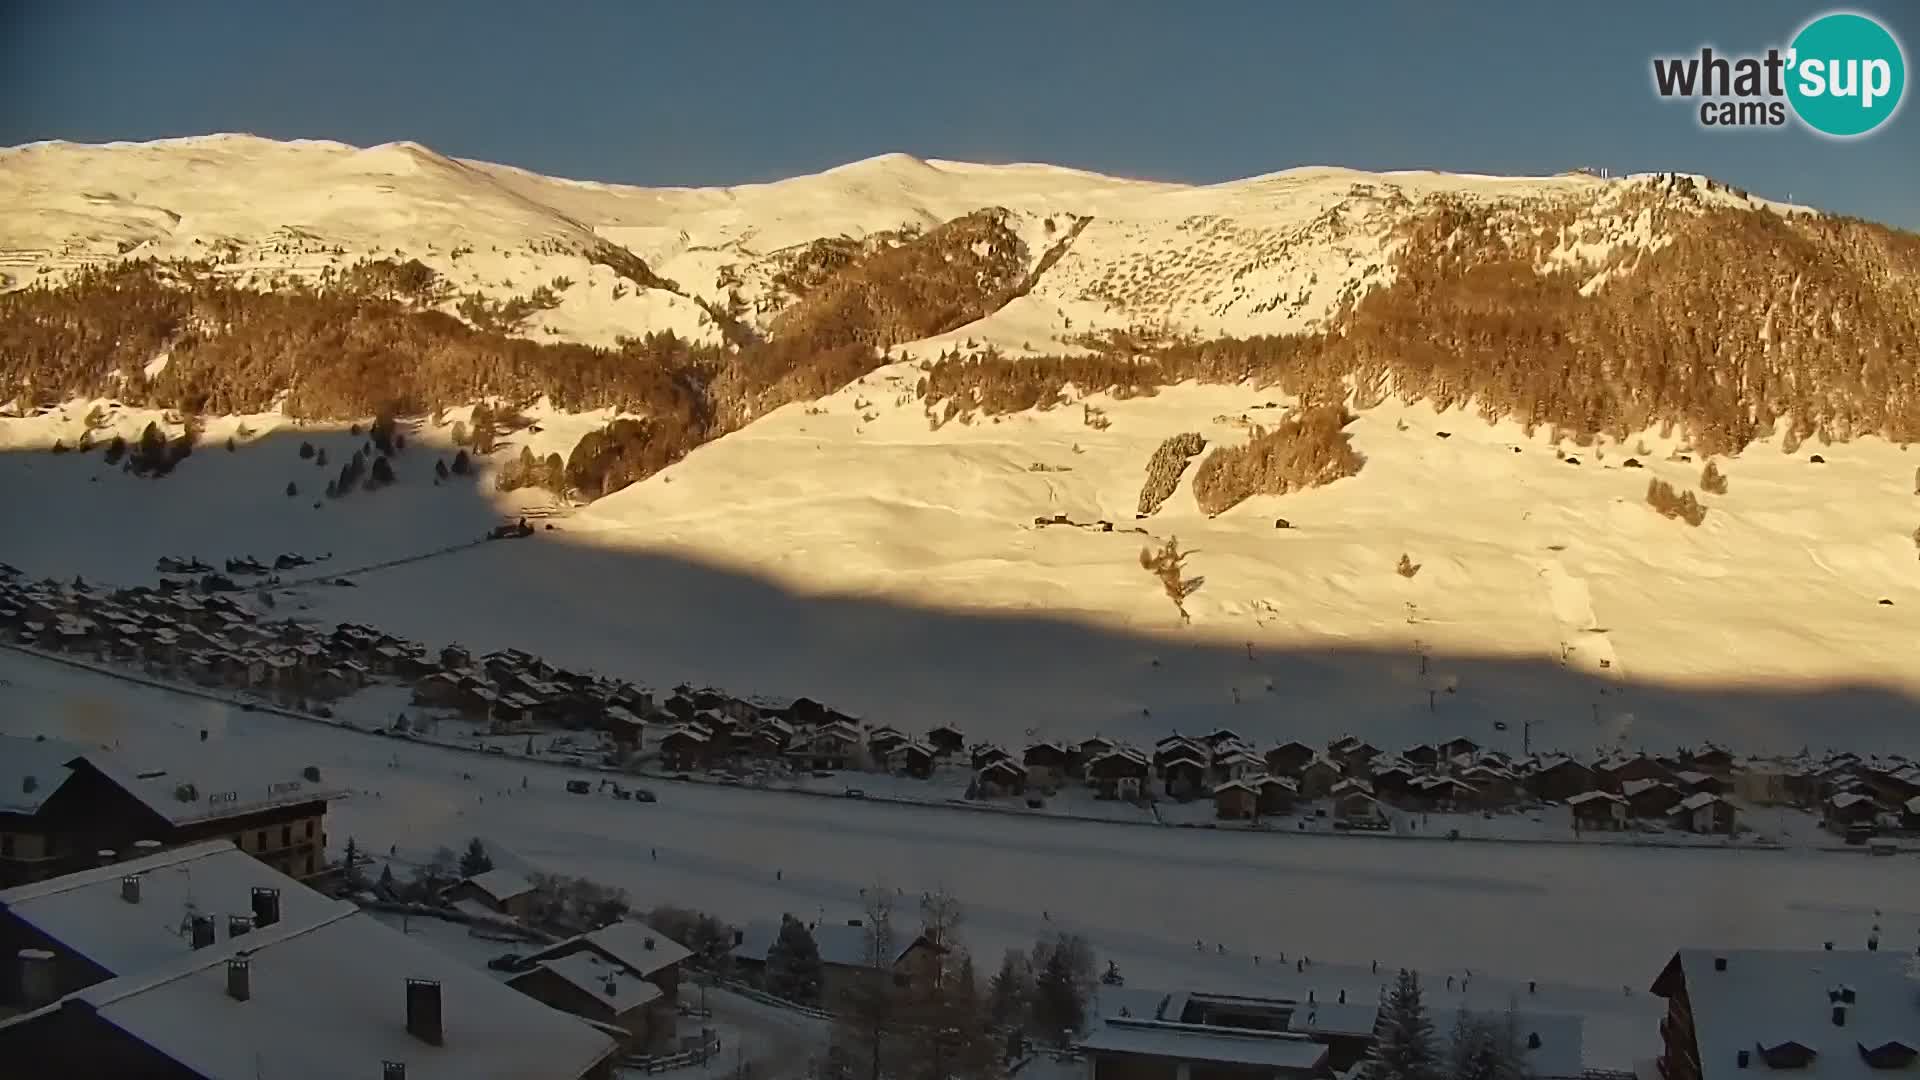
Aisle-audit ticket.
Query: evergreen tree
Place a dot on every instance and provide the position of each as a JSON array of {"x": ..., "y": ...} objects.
[
  {"x": 793, "y": 963},
  {"x": 382, "y": 473},
  {"x": 440, "y": 469},
  {"x": 475, "y": 861},
  {"x": 354, "y": 880},
  {"x": 1484, "y": 1049},
  {"x": 292, "y": 489},
  {"x": 1010, "y": 991},
  {"x": 1059, "y": 1001},
  {"x": 1403, "y": 1047},
  {"x": 386, "y": 884},
  {"x": 461, "y": 463}
]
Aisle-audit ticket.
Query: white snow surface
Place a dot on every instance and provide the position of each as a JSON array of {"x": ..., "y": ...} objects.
[{"x": 1593, "y": 925}]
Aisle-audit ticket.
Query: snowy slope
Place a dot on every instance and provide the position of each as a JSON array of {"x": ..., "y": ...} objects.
[{"x": 843, "y": 550}]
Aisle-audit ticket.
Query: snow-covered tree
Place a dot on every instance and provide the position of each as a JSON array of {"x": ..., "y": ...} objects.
[
  {"x": 1010, "y": 991},
  {"x": 793, "y": 963},
  {"x": 475, "y": 861},
  {"x": 1485, "y": 1049},
  {"x": 1403, "y": 1047}
]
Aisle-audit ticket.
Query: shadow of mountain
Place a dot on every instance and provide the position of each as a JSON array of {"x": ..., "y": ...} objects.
[{"x": 663, "y": 618}]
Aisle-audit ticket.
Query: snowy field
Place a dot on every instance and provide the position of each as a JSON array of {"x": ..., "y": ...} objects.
[{"x": 1592, "y": 925}]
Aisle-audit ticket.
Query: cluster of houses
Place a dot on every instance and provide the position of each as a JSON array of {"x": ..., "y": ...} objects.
[{"x": 216, "y": 639}]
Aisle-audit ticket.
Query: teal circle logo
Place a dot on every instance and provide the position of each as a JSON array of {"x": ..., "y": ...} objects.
[{"x": 1846, "y": 74}]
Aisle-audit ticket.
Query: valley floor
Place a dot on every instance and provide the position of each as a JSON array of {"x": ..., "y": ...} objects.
[{"x": 1175, "y": 908}]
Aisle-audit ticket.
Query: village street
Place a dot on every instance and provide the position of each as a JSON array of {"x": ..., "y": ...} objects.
[{"x": 1590, "y": 926}]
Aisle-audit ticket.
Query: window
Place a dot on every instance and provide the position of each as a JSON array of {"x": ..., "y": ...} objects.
[
  {"x": 286, "y": 836},
  {"x": 309, "y": 828},
  {"x": 6, "y": 846},
  {"x": 309, "y": 864},
  {"x": 260, "y": 840}
]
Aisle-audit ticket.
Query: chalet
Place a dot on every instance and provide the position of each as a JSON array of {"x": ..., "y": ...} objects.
[
  {"x": 1497, "y": 787},
  {"x": 1237, "y": 765},
  {"x": 1289, "y": 759},
  {"x": 628, "y": 730},
  {"x": 684, "y": 749},
  {"x": 1177, "y": 746},
  {"x": 1120, "y": 773},
  {"x": 1220, "y": 737},
  {"x": 946, "y": 740},
  {"x": 1711, "y": 760},
  {"x": 985, "y": 754},
  {"x": 1442, "y": 794},
  {"x": 1355, "y": 754},
  {"x": 1235, "y": 800},
  {"x": 771, "y": 737},
  {"x": 1910, "y": 814},
  {"x": 1392, "y": 780},
  {"x": 1001, "y": 777},
  {"x": 1086, "y": 750},
  {"x": 455, "y": 657},
  {"x": 1597, "y": 810},
  {"x": 1819, "y": 1014},
  {"x": 1424, "y": 755},
  {"x": 1849, "y": 808},
  {"x": 1317, "y": 777},
  {"x": 1277, "y": 794},
  {"x": 1456, "y": 746},
  {"x": 911, "y": 758},
  {"x": 829, "y": 747},
  {"x": 1559, "y": 779},
  {"x": 882, "y": 740},
  {"x": 1359, "y": 810},
  {"x": 1650, "y": 798},
  {"x": 497, "y": 891},
  {"x": 1614, "y": 775},
  {"x": 1694, "y": 782},
  {"x": 1704, "y": 812},
  {"x": 1185, "y": 775},
  {"x": 625, "y": 974},
  {"x": 1046, "y": 762}
]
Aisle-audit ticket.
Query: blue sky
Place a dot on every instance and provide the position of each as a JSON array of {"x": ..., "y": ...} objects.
[{"x": 714, "y": 93}]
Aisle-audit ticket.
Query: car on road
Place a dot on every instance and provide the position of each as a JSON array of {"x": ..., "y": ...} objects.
[
  {"x": 855, "y": 793},
  {"x": 643, "y": 795},
  {"x": 580, "y": 787},
  {"x": 496, "y": 749}
]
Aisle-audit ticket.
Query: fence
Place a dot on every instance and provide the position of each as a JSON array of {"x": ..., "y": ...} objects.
[
  {"x": 764, "y": 998},
  {"x": 699, "y": 1055}
]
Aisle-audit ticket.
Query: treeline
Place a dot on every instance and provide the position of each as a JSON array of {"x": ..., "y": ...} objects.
[
  {"x": 1742, "y": 319},
  {"x": 1309, "y": 448},
  {"x": 368, "y": 341}
]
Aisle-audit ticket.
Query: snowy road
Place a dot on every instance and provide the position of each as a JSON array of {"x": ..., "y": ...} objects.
[{"x": 1592, "y": 925}]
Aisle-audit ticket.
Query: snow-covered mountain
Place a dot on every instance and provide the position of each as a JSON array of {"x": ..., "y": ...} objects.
[{"x": 847, "y": 549}]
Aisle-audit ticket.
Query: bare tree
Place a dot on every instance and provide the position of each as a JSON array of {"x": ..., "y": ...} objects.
[
  {"x": 1169, "y": 564},
  {"x": 868, "y": 1019}
]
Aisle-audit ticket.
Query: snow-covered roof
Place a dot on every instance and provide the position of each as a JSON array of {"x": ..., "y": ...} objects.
[
  {"x": 1849, "y": 798},
  {"x": 500, "y": 885},
  {"x": 223, "y": 787},
  {"x": 1698, "y": 800},
  {"x": 329, "y": 999},
  {"x": 620, "y": 987},
  {"x": 1913, "y": 805},
  {"x": 1766, "y": 997},
  {"x": 1191, "y": 1042},
  {"x": 1234, "y": 785},
  {"x": 1594, "y": 796},
  {"x": 1561, "y": 1054},
  {"x": 87, "y": 913},
  {"x": 39, "y": 764},
  {"x": 1333, "y": 1018},
  {"x": 839, "y": 943},
  {"x": 638, "y": 946},
  {"x": 1635, "y": 787},
  {"x": 1690, "y": 777}
]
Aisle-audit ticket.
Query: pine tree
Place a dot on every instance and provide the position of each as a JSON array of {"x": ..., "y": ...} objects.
[
  {"x": 1059, "y": 1002},
  {"x": 1010, "y": 991},
  {"x": 1403, "y": 1047},
  {"x": 440, "y": 469},
  {"x": 793, "y": 963},
  {"x": 1484, "y": 1049},
  {"x": 354, "y": 880},
  {"x": 386, "y": 884},
  {"x": 292, "y": 489},
  {"x": 475, "y": 861},
  {"x": 461, "y": 463}
]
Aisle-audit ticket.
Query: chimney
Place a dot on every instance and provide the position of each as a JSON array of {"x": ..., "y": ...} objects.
[
  {"x": 739, "y": 937},
  {"x": 423, "y": 1011},
  {"x": 393, "y": 1070},
  {"x": 1533, "y": 1040},
  {"x": 239, "y": 979},
  {"x": 1719, "y": 963},
  {"x": 1839, "y": 1016},
  {"x": 1742, "y": 1058},
  {"x": 1848, "y": 995},
  {"x": 130, "y": 888},
  {"x": 238, "y": 924},
  {"x": 202, "y": 931},
  {"x": 107, "y": 856},
  {"x": 1829, "y": 946},
  {"x": 266, "y": 905},
  {"x": 38, "y": 982},
  {"x": 647, "y": 944},
  {"x": 146, "y": 847},
  {"x": 853, "y": 922}
]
